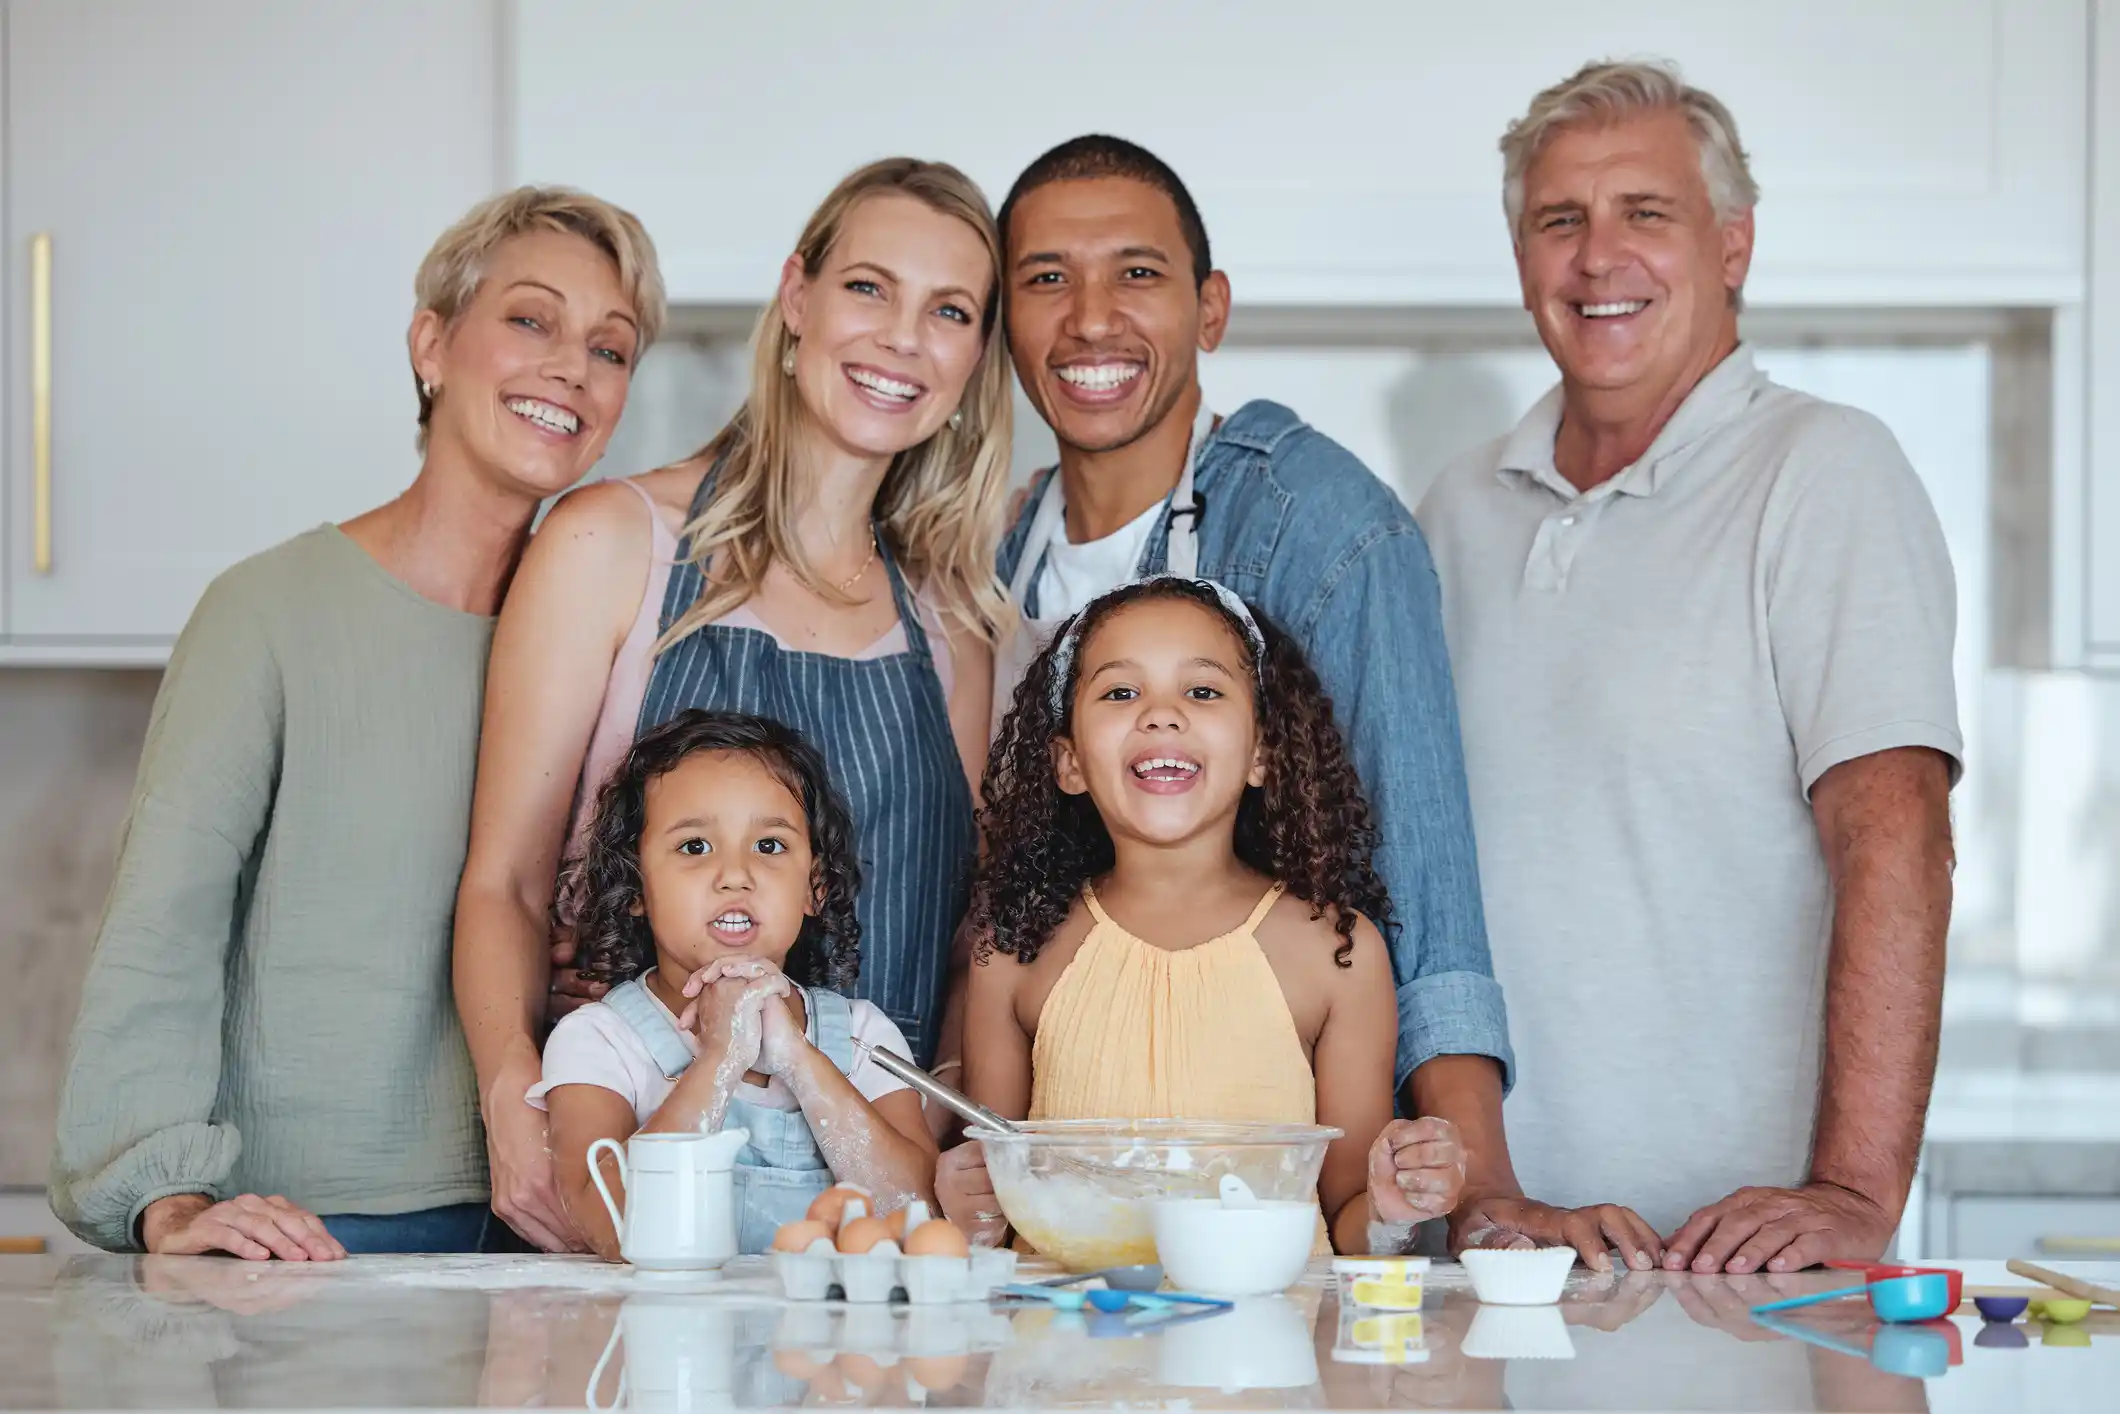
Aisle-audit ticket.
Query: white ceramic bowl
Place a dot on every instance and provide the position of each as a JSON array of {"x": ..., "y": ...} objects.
[
  {"x": 1265, "y": 1343},
  {"x": 1216, "y": 1250},
  {"x": 1081, "y": 1191},
  {"x": 1519, "y": 1277}
]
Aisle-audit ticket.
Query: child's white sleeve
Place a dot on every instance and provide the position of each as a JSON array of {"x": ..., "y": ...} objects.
[
  {"x": 589, "y": 1047},
  {"x": 871, "y": 1027}
]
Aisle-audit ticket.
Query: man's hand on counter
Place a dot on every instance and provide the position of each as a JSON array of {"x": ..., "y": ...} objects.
[
  {"x": 248, "y": 1226},
  {"x": 1781, "y": 1230},
  {"x": 1524, "y": 1222}
]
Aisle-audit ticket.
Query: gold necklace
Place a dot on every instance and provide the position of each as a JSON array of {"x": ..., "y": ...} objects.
[{"x": 855, "y": 578}]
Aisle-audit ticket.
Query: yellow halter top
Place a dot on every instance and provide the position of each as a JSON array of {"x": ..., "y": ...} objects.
[{"x": 1134, "y": 1031}]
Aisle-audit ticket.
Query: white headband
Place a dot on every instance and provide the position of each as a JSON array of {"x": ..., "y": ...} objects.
[{"x": 1071, "y": 633}]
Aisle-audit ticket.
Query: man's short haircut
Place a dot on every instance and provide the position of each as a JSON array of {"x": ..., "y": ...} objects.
[{"x": 1095, "y": 155}]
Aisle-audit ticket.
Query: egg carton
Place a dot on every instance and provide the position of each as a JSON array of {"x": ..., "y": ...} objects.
[
  {"x": 892, "y": 1332},
  {"x": 884, "y": 1274}
]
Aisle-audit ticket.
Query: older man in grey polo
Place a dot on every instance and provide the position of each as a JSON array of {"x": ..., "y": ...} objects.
[{"x": 1701, "y": 628}]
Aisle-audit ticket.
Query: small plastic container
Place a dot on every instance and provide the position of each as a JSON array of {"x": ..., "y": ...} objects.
[
  {"x": 1519, "y": 1277},
  {"x": 1373, "y": 1336},
  {"x": 1381, "y": 1283}
]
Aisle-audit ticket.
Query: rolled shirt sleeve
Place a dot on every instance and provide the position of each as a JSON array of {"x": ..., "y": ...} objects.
[
  {"x": 1861, "y": 602},
  {"x": 136, "y": 1113},
  {"x": 1375, "y": 638}
]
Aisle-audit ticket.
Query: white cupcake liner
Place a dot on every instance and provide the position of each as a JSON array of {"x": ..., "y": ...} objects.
[
  {"x": 1519, "y": 1333},
  {"x": 1519, "y": 1277}
]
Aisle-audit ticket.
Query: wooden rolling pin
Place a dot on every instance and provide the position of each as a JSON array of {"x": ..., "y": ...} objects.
[
  {"x": 21, "y": 1246},
  {"x": 2074, "y": 1286}
]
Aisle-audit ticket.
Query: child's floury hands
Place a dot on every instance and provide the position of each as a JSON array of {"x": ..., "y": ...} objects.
[
  {"x": 1416, "y": 1170},
  {"x": 966, "y": 1193},
  {"x": 727, "y": 1011}
]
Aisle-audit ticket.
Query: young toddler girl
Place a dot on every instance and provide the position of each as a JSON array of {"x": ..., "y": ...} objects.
[
  {"x": 1177, "y": 915},
  {"x": 718, "y": 894}
]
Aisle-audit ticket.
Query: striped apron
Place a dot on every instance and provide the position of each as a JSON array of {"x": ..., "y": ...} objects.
[{"x": 884, "y": 731}]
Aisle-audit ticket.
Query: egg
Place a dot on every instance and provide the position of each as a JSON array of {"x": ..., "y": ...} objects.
[
  {"x": 797, "y": 1366},
  {"x": 861, "y": 1233},
  {"x": 798, "y": 1236},
  {"x": 829, "y": 1207},
  {"x": 863, "y": 1372},
  {"x": 937, "y": 1237},
  {"x": 912, "y": 1214},
  {"x": 935, "y": 1373}
]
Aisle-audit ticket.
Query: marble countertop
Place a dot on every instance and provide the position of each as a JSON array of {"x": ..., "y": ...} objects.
[{"x": 458, "y": 1332}]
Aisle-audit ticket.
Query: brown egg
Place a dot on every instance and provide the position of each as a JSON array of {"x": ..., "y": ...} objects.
[
  {"x": 937, "y": 1237},
  {"x": 829, "y": 1207},
  {"x": 898, "y": 1218},
  {"x": 935, "y": 1373},
  {"x": 862, "y": 1371},
  {"x": 797, "y": 1236},
  {"x": 860, "y": 1234},
  {"x": 796, "y": 1365}
]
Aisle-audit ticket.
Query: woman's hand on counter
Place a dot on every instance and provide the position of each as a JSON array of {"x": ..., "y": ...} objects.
[
  {"x": 248, "y": 1226},
  {"x": 519, "y": 1160},
  {"x": 1525, "y": 1222}
]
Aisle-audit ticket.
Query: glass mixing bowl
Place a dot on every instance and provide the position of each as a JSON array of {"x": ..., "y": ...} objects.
[{"x": 1080, "y": 1190}]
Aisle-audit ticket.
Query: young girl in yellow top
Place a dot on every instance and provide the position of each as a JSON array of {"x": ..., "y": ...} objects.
[{"x": 1177, "y": 915}]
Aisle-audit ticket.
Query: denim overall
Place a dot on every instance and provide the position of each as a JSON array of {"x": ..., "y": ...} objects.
[
  {"x": 883, "y": 728},
  {"x": 781, "y": 1169}
]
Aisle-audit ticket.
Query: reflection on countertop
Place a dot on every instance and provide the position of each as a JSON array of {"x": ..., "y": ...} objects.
[{"x": 402, "y": 1332}]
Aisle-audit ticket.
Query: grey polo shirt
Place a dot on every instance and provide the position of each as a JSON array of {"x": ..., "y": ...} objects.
[{"x": 1651, "y": 676}]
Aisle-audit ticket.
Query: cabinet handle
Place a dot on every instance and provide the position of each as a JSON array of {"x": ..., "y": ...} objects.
[{"x": 40, "y": 398}]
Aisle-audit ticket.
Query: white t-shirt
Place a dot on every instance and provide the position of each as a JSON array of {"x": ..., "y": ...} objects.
[
  {"x": 1651, "y": 676},
  {"x": 1075, "y": 574},
  {"x": 595, "y": 1046}
]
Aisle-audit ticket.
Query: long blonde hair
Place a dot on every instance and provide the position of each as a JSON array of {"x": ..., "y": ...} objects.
[{"x": 940, "y": 504}]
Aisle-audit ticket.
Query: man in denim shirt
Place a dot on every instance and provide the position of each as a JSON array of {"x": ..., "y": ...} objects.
[{"x": 1111, "y": 297}]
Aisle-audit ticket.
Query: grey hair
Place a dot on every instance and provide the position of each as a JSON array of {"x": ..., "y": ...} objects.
[{"x": 1611, "y": 91}]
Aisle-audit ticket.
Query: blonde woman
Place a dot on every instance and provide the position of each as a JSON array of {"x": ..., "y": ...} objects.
[
  {"x": 267, "y": 1011},
  {"x": 826, "y": 561}
]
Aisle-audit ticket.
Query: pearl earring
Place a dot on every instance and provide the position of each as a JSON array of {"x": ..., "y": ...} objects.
[
  {"x": 427, "y": 389},
  {"x": 787, "y": 361},
  {"x": 957, "y": 420}
]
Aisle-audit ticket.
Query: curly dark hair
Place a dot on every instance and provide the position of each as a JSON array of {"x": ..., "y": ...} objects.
[
  {"x": 1308, "y": 826},
  {"x": 613, "y": 942}
]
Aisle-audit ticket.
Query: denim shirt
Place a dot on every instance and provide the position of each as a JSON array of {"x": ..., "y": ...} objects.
[{"x": 1300, "y": 528}]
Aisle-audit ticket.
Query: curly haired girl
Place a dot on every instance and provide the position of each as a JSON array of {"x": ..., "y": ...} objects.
[
  {"x": 1177, "y": 915},
  {"x": 718, "y": 887}
]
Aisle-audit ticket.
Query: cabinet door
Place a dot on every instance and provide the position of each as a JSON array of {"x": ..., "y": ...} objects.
[
  {"x": 1910, "y": 151},
  {"x": 236, "y": 195}
]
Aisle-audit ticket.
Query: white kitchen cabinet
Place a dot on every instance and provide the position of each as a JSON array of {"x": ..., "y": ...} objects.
[
  {"x": 2087, "y": 515},
  {"x": 236, "y": 195},
  {"x": 1911, "y": 151}
]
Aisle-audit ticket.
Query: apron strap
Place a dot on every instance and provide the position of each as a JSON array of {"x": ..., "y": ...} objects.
[
  {"x": 639, "y": 1010},
  {"x": 902, "y": 598},
  {"x": 831, "y": 1028}
]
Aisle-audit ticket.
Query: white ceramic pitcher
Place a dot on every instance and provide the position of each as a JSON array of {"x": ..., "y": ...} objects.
[{"x": 680, "y": 1213}]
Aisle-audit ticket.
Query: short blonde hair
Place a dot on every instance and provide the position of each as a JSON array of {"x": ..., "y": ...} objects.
[
  {"x": 941, "y": 503},
  {"x": 449, "y": 277},
  {"x": 1612, "y": 91}
]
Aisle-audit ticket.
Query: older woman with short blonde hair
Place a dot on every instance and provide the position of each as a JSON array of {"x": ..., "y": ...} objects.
[{"x": 267, "y": 1062}]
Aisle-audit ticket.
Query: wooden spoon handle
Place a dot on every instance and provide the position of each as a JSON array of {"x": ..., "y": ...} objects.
[{"x": 2074, "y": 1286}]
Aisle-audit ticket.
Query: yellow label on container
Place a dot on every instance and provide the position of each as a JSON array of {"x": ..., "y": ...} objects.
[{"x": 1388, "y": 1295}]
